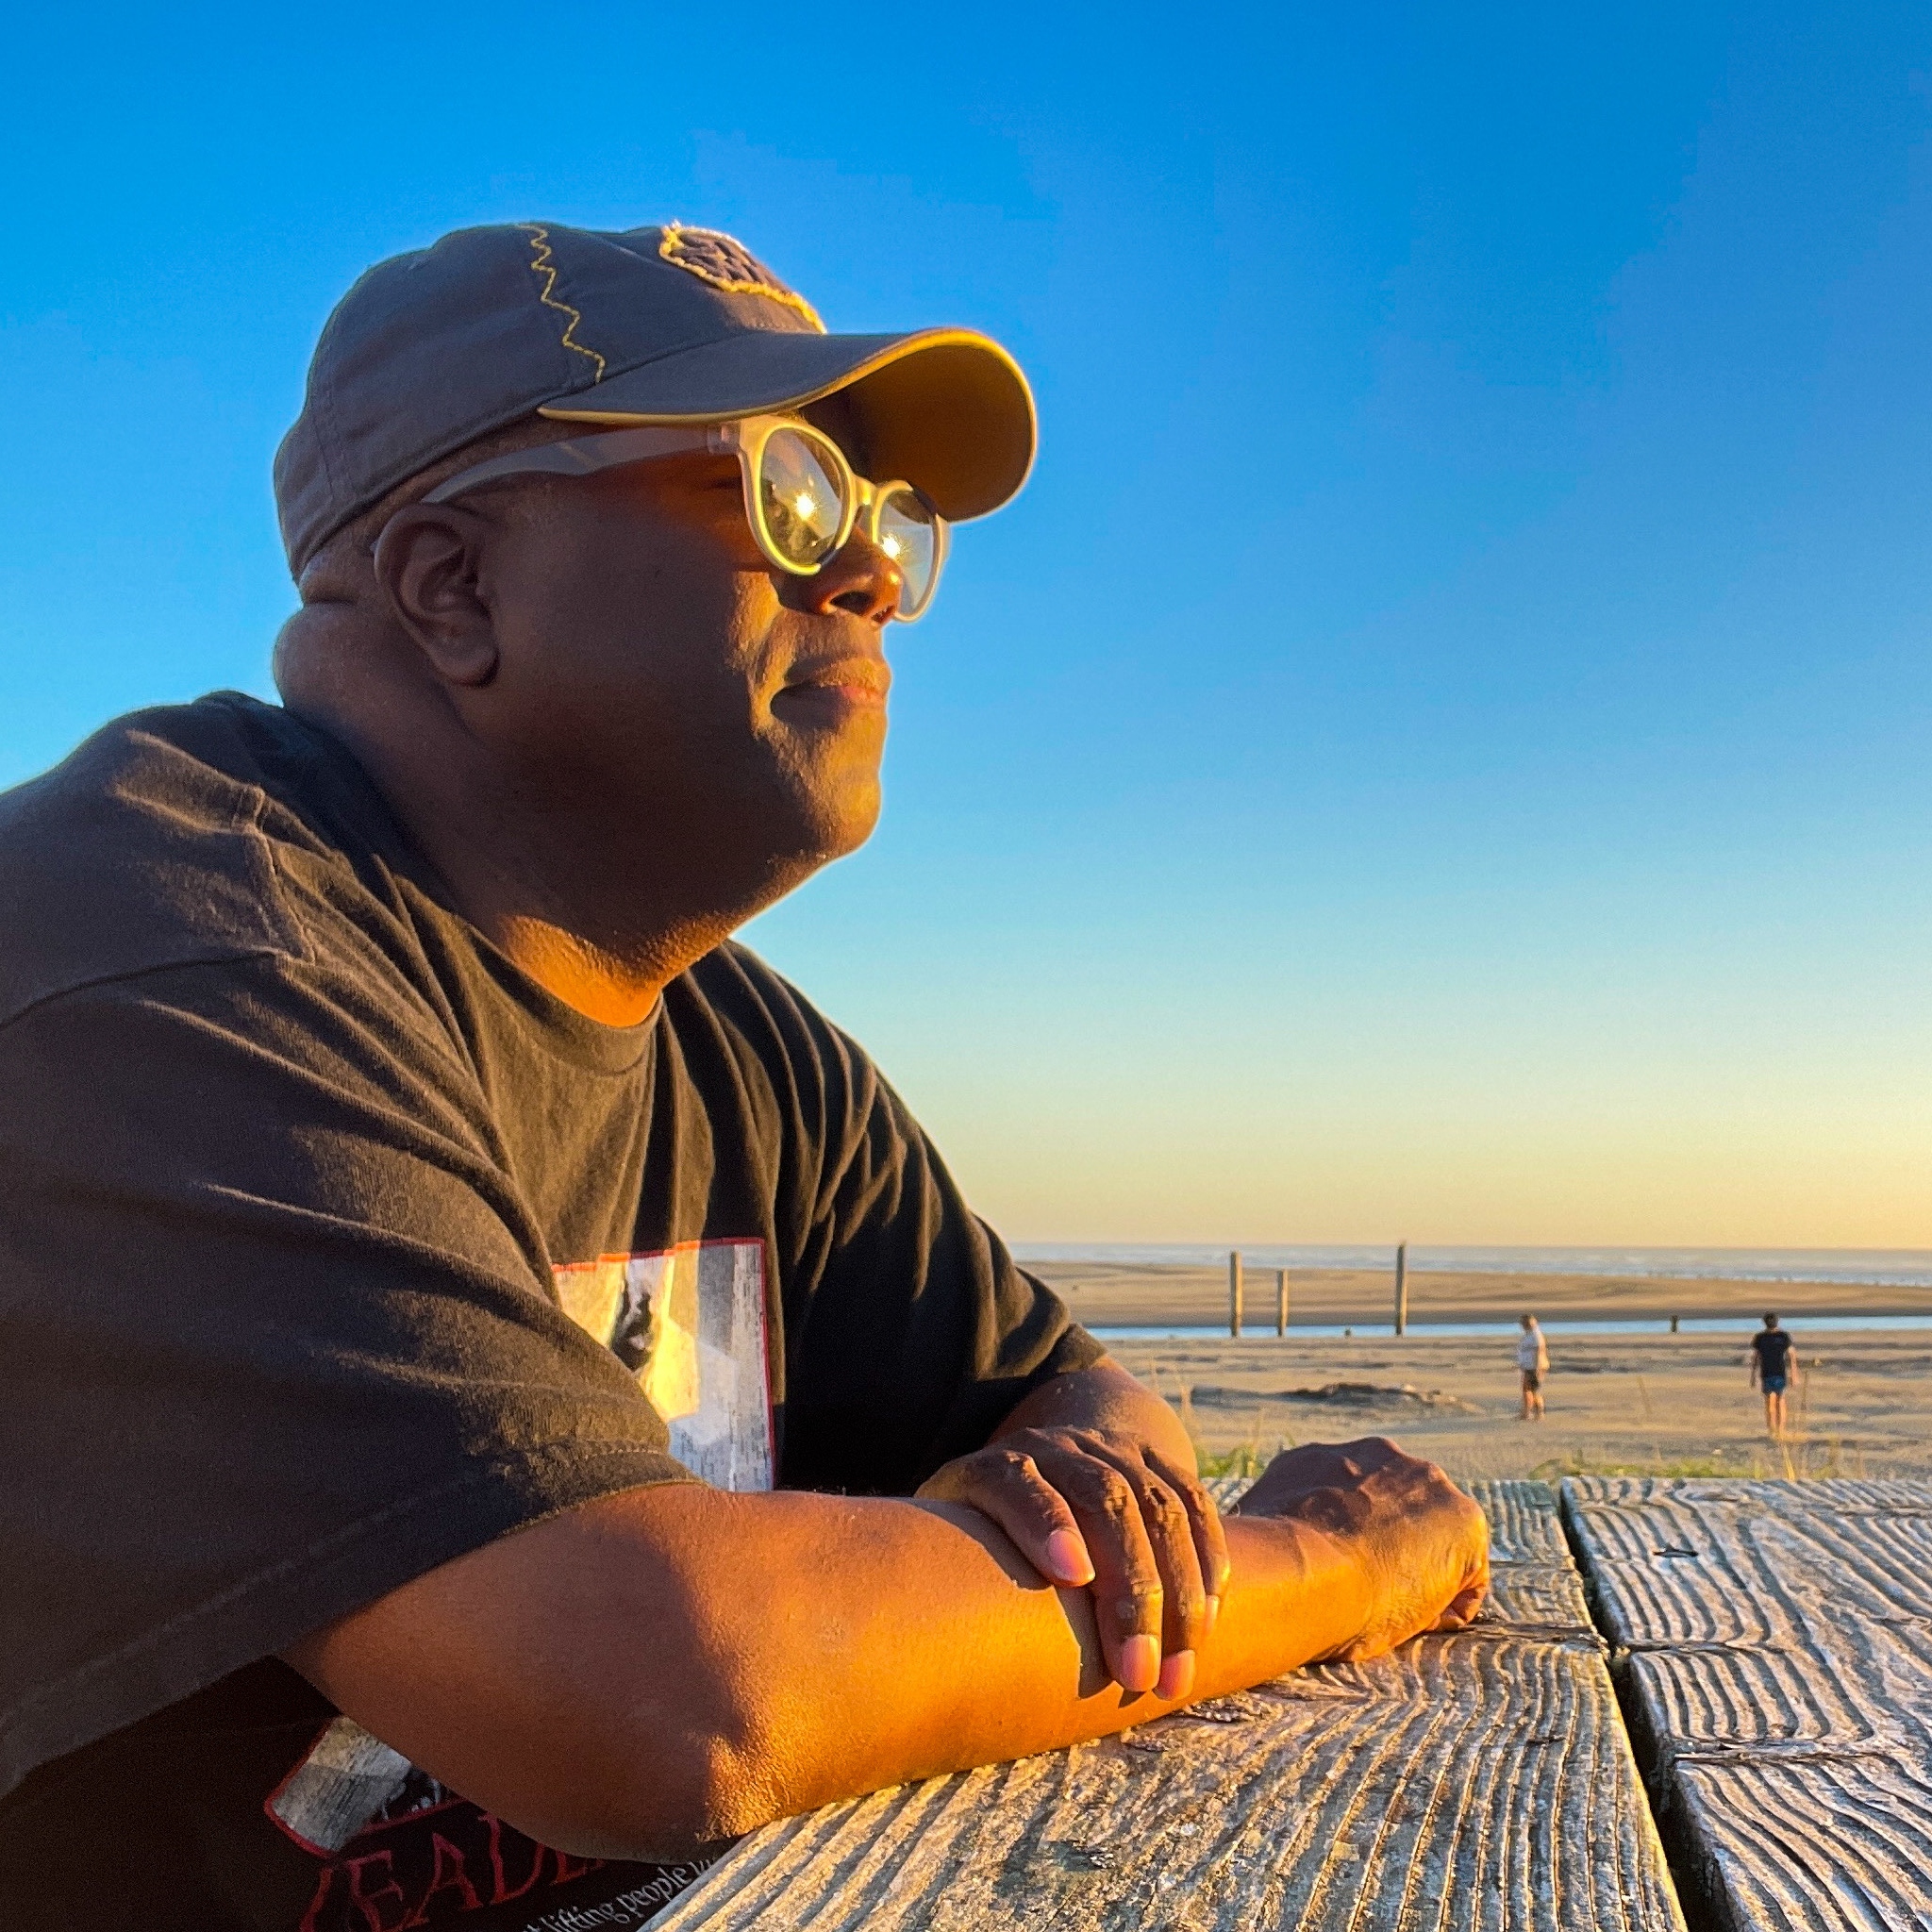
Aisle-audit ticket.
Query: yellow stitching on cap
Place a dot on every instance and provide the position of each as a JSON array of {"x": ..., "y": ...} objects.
[
  {"x": 672, "y": 249},
  {"x": 541, "y": 265}
]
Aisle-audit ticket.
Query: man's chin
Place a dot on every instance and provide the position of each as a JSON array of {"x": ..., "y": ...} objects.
[
  {"x": 846, "y": 821},
  {"x": 825, "y": 826}
]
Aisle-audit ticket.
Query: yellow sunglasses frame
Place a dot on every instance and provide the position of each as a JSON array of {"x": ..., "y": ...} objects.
[{"x": 744, "y": 438}]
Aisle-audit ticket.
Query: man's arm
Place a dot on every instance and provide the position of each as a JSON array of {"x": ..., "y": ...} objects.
[{"x": 675, "y": 1664}]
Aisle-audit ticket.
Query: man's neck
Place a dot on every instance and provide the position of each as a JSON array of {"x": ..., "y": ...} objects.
[
  {"x": 610, "y": 991},
  {"x": 534, "y": 887},
  {"x": 603, "y": 939}
]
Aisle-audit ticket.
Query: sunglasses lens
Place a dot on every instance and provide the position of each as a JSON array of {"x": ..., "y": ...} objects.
[
  {"x": 910, "y": 535},
  {"x": 798, "y": 493}
]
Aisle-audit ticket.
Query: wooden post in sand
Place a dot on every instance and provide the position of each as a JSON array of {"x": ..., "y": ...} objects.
[
  {"x": 1234, "y": 1293},
  {"x": 1402, "y": 1290},
  {"x": 1281, "y": 1300}
]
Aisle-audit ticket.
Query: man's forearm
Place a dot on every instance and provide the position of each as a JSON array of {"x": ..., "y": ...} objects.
[
  {"x": 675, "y": 1664},
  {"x": 957, "y": 1655}
]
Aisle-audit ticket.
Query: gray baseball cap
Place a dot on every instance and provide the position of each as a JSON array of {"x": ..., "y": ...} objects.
[{"x": 430, "y": 351}]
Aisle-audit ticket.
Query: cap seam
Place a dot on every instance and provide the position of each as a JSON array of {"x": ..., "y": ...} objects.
[
  {"x": 325, "y": 434},
  {"x": 703, "y": 343}
]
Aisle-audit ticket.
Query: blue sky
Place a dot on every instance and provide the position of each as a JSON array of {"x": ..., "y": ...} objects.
[{"x": 1442, "y": 748}]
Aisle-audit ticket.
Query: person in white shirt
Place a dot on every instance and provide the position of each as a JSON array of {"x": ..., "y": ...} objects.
[{"x": 1533, "y": 1359}]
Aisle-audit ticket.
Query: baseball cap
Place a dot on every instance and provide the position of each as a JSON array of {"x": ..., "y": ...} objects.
[{"x": 432, "y": 350}]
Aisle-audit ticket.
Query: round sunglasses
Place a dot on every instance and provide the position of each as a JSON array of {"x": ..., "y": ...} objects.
[{"x": 802, "y": 498}]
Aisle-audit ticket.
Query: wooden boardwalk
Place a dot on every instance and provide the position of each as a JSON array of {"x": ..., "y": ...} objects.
[
  {"x": 1779, "y": 1662},
  {"x": 1482, "y": 1780}
]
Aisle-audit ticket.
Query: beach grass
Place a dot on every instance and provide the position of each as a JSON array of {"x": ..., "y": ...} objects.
[{"x": 1795, "y": 1461}]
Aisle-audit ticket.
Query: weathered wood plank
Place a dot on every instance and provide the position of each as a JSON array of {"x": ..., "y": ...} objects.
[
  {"x": 1481, "y": 1780},
  {"x": 1777, "y": 1640}
]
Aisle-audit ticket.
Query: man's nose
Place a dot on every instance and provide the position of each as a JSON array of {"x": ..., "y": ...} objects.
[{"x": 861, "y": 579}]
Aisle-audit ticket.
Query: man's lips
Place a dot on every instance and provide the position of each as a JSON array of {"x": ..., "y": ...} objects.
[{"x": 859, "y": 683}]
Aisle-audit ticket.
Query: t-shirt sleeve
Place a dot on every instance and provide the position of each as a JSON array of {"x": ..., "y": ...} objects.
[
  {"x": 274, "y": 1335},
  {"x": 910, "y": 1331}
]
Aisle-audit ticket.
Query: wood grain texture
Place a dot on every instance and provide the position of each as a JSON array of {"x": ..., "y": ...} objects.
[
  {"x": 1777, "y": 1643},
  {"x": 1481, "y": 1780}
]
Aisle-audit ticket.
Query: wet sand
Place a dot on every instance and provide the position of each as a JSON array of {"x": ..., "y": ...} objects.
[
  {"x": 1135, "y": 1295},
  {"x": 1648, "y": 1402}
]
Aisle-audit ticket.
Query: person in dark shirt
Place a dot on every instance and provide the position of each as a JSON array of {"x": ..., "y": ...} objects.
[
  {"x": 1771, "y": 1366},
  {"x": 499, "y": 1396}
]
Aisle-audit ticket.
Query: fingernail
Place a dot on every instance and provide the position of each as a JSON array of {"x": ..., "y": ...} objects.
[
  {"x": 1213, "y": 1611},
  {"x": 1176, "y": 1675},
  {"x": 1068, "y": 1556},
  {"x": 1140, "y": 1666}
]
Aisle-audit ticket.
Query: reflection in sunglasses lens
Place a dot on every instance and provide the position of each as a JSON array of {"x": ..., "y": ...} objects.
[
  {"x": 908, "y": 533},
  {"x": 798, "y": 493}
]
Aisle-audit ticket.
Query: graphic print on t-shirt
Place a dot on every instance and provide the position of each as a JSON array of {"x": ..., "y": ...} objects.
[
  {"x": 689, "y": 1322},
  {"x": 346, "y": 1779},
  {"x": 430, "y": 1858}
]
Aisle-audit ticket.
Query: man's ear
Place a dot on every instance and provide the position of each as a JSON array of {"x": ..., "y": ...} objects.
[{"x": 425, "y": 564}]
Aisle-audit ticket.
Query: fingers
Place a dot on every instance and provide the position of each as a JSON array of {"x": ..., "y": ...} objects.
[
  {"x": 1129, "y": 1602},
  {"x": 1158, "y": 1518},
  {"x": 1463, "y": 1609},
  {"x": 1203, "y": 1520},
  {"x": 1145, "y": 1535},
  {"x": 1006, "y": 1484}
]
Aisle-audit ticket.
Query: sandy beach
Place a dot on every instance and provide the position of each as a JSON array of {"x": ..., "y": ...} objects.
[{"x": 1648, "y": 1402}]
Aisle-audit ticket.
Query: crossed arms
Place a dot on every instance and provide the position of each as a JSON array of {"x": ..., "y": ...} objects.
[{"x": 672, "y": 1665}]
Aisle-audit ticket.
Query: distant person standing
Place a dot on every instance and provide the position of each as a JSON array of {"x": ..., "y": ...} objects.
[
  {"x": 1771, "y": 1367},
  {"x": 1533, "y": 1360}
]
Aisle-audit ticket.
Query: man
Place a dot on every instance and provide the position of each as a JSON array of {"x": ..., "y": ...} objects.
[
  {"x": 500, "y": 1398},
  {"x": 1770, "y": 1356},
  {"x": 1532, "y": 1364}
]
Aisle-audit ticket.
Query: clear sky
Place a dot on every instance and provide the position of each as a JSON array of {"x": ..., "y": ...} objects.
[{"x": 1443, "y": 746}]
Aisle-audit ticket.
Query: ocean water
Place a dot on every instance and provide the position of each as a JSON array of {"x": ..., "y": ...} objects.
[
  {"x": 1260, "y": 1332},
  {"x": 1879, "y": 1267}
]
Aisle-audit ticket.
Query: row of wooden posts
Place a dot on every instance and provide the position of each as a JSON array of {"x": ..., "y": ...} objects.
[{"x": 1234, "y": 1294}]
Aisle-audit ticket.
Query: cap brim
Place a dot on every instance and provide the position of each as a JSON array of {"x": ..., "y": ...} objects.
[{"x": 945, "y": 410}]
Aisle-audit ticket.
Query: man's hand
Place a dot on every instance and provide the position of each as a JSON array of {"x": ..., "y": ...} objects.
[
  {"x": 1092, "y": 1478},
  {"x": 1423, "y": 1544}
]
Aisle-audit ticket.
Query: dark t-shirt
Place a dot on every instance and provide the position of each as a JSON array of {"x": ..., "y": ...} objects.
[
  {"x": 1773, "y": 1348},
  {"x": 331, "y": 1247}
]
